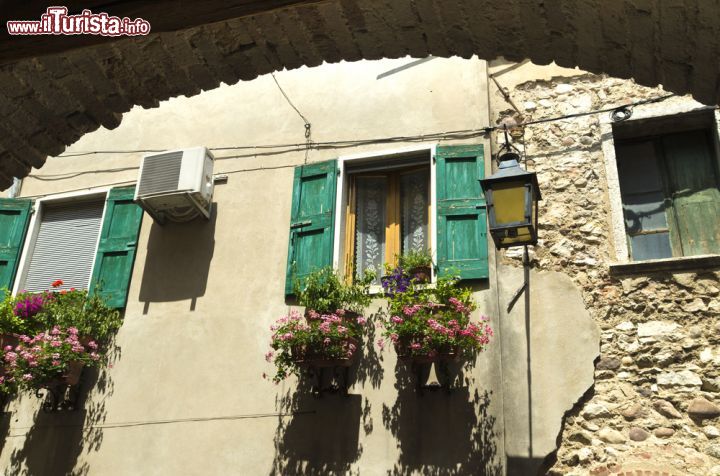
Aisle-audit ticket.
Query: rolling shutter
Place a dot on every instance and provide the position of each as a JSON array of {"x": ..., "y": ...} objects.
[{"x": 65, "y": 245}]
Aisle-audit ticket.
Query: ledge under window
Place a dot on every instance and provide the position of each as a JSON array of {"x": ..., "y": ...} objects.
[
  {"x": 377, "y": 291},
  {"x": 682, "y": 263}
]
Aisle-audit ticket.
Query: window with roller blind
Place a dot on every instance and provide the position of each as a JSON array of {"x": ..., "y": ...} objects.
[
  {"x": 64, "y": 245},
  {"x": 670, "y": 187},
  {"x": 86, "y": 240}
]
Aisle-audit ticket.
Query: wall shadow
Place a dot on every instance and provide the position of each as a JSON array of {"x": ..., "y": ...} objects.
[
  {"x": 440, "y": 433},
  {"x": 319, "y": 436},
  {"x": 178, "y": 260},
  {"x": 57, "y": 439},
  {"x": 476, "y": 285},
  {"x": 525, "y": 466},
  {"x": 5, "y": 417},
  {"x": 370, "y": 369}
]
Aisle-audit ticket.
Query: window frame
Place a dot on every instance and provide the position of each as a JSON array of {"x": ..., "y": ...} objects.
[
  {"x": 673, "y": 107},
  {"x": 343, "y": 189},
  {"x": 34, "y": 228}
]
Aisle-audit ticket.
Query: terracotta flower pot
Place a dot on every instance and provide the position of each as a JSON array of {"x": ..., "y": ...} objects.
[
  {"x": 405, "y": 354},
  {"x": 421, "y": 274},
  {"x": 305, "y": 358},
  {"x": 72, "y": 375},
  {"x": 8, "y": 339}
]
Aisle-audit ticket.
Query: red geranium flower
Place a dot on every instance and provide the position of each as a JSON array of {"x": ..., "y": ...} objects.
[{"x": 57, "y": 284}]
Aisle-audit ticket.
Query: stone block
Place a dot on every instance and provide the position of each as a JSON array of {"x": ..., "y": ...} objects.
[{"x": 700, "y": 408}]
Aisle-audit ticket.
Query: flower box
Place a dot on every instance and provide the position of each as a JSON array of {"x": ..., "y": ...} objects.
[
  {"x": 328, "y": 341},
  {"x": 304, "y": 358},
  {"x": 405, "y": 354},
  {"x": 427, "y": 325}
]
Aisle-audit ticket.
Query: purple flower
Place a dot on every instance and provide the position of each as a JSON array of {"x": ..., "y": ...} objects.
[
  {"x": 28, "y": 306},
  {"x": 395, "y": 283}
]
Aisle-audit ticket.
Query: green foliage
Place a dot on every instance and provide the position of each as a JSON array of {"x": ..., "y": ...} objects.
[
  {"x": 57, "y": 331},
  {"x": 325, "y": 291},
  {"x": 30, "y": 313},
  {"x": 415, "y": 259},
  {"x": 88, "y": 314}
]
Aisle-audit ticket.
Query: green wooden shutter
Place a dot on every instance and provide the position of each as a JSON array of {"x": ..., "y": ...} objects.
[
  {"x": 14, "y": 218},
  {"x": 116, "y": 251},
  {"x": 461, "y": 212},
  {"x": 695, "y": 193},
  {"x": 312, "y": 221}
]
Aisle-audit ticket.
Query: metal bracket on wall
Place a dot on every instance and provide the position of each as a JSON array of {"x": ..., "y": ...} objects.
[
  {"x": 59, "y": 396},
  {"x": 422, "y": 371},
  {"x": 516, "y": 296},
  {"x": 338, "y": 375}
]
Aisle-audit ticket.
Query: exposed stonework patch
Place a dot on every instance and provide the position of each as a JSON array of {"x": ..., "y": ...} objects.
[{"x": 661, "y": 327}]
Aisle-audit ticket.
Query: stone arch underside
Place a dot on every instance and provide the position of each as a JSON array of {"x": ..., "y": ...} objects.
[{"x": 49, "y": 102}]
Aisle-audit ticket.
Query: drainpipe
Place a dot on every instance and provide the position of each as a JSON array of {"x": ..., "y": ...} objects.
[
  {"x": 15, "y": 188},
  {"x": 492, "y": 262}
]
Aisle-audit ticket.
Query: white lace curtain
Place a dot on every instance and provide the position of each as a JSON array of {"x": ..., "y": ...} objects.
[{"x": 371, "y": 213}]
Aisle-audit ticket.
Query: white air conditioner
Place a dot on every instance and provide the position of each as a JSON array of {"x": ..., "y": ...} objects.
[{"x": 176, "y": 185}]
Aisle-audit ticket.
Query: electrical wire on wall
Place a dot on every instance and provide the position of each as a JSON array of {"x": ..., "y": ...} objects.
[
  {"x": 308, "y": 125},
  {"x": 268, "y": 150}
]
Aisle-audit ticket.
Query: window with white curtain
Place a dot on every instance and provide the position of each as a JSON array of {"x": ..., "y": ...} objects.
[{"x": 390, "y": 213}]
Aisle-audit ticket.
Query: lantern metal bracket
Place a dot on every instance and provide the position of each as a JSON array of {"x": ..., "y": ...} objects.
[{"x": 516, "y": 296}]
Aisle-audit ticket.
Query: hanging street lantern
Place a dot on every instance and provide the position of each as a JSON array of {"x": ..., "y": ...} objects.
[{"x": 512, "y": 196}]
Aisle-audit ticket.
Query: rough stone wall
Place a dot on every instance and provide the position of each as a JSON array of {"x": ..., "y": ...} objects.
[{"x": 656, "y": 399}]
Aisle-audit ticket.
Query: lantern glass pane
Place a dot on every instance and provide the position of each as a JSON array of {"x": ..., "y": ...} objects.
[
  {"x": 523, "y": 236},
  {"x": 509, "y": 202}
]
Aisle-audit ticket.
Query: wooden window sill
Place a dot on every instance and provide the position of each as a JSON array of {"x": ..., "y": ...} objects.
[{"x": 682, "y": 263}]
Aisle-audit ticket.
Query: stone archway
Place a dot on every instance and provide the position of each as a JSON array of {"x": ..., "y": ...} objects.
[{"x": 50, "y": 101}]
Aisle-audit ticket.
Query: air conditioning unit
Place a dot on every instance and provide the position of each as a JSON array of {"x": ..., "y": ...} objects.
[{"x": 176, "y": 185}]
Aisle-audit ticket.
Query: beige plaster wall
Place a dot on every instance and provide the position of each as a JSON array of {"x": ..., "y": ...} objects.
[{"x": 185, "y": 393}]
